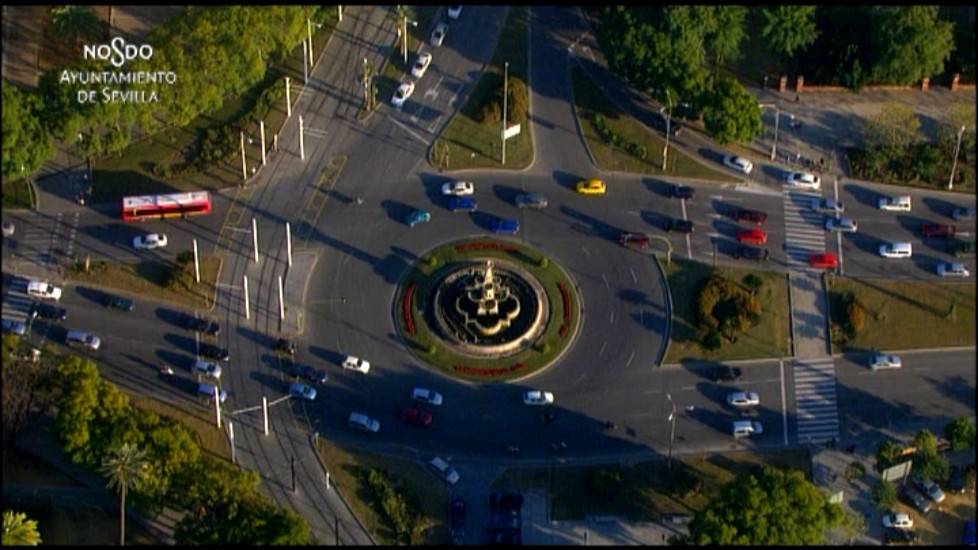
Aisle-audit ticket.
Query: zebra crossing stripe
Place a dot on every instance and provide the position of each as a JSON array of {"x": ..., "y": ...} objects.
[{"x": 816, "y": 407}]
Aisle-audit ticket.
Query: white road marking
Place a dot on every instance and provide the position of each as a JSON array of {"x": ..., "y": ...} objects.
[
  {"x": 605, "y": 279},
  {"x": 433, "y": 124},
  {"x": 630, "y": 358},
  {"x": 717, "y": 197},
  {"x": 715, "y": 235},
  {"x": 408, "y": 130},
  {"x": 603, "y": 345},
  {"x": 634, "y": 278},
  {"x": 635, "y": 213},
  {"x": 612, "y": 317},
  {"x": 689, "y": 246}
]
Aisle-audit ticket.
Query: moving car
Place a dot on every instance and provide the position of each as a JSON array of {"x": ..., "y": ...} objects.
[
  {"x": 416, "y": 217},
  {"x": 454, "y": 12},
  {"x": 462, "y": 204},
  {"x": 968, "y": 537},
  {"x": 747, "y": 428},
  {"x": 210, "y": 391},
  {"x": 149, "y": 242},
  {"x": 753, "y": 216},
  {"x": 357, "y": 364},
  {"x": 803, "y": 180},
  {"x": 751, "y": 253},
  {"x": 207, "y": 326},
  {"x": 212, "y": 351},
  {"x": 682, "y": 192},
  {"x": 444, "y": 470},
  {"x": 360, "y": 421},
  {"x": 828, "y": 205},
  {"x": 912, "y": 496},
  {"x": 842, "y": 225},
  {"x": 14, "y": 327},
  {"x": 416, "y": 415},
  {"x": 403, "y": 92},
  {"x": 723, "y": 373},
  {"x": 302, "y": 391},
  {"x": 963, "y": 213},
  {"x": 83, "y": 339},
  {"x": 118, "y": 302},
  {"x": 438, "y": 35},
  {"x": 953, "y": 270},
  {"x": 457, "y": 188},
  {"x": 896, "y": 250},
  {"x": 537, "y": 397},
  {"x": 633, "y": 240},
  {"x": 425, "y": 395},
  {"x": 207, "y": 369},
  {"x": 309, "y": 374},
  {"x": 679, "y": 226},
  {"x": 505, "y": 226},
  {"x": 823, "y": 261},
  {"x": 743, "y": 399},
  {"x": 752, "y": 236},
  {"x": 882, "y": 361},
  {"x": 47, "y": 311},
  {"x": 44, "y": 290},
  {"x": 421, "y": 64},
  {"x": 938, "y": 230},
  {"x": 531, "y": 200},
  {"x": 895, "y": 204},
  {"x": 929, "y": 488},
  {"x": 591, "y": 187},
  {"x": 739, "y": 164},
  {"x": 900, "y": 520}
]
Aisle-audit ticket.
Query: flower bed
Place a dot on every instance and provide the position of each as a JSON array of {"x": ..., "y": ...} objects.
[
  {"x": 406, "y": 309},
  {"x": 486, "y": 372},
  {"x": 468, "y": 247},
  {"x": 565, "y": 298}
]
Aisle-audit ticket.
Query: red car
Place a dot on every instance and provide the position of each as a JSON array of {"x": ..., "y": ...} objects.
[
  {"x": 938, "y": 230},
  {"x": 752, "y": 236},
  {"x": 634, "y": 240},
  {"x": 416, "y": 415},
  {"x": 753, "y": 216},
  {"x": 823, "y": 261}
]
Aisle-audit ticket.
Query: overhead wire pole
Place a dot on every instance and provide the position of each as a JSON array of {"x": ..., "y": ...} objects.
[
  {"x": 281, "y": 301},
  {"x": 954, "y": 167},
  {"x": 302, "y": 144},
  {"x": 247, "y": 306},
  {"x": 254, "y": 234},
  {"x": 339, "y": 13},
  {"x": 505, "y": 105},
  {"x": 665, "y": 150},
  {"x": 305, "y": 62},
  {"x": 196, "y": 263},
  {"x": 672, "y": 432},
  {"x": 288, "y": 97},
  {"x": 244, "y": 161},
  {"x": 288, "y": 242},
  {"x": 261, "y": 127}
]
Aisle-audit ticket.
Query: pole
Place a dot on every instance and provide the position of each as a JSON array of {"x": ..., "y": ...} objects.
[
  {"x": 281, "y": 301},
  {"x": 954, "y": 167},
  {"x": 302, "y": 144},
  {"x": 665, "y": 149},
  {"x": 404, "y": 37},
  {"x": 292, "y": 463},
  {"x": 672, "y": 432},
  {"x": 327, "y": 479},
  {"x": 305, "y": 62},
  {"x": 244, "y": 161},
  {"x": 261, "y": 127},
  {"x": 254, "y": 234},
  {"x": 264, "y": 413},
  {"x": 288, "y": 242},
  {"x": 339, "y": 13},
  {"x": 247, "y": 308},
  {"x": 309, "y": 35},
  {"x": 505, "y": 105},
  {"x": 196, "y": 263},
  {"x": 288, "y": 98},
  {"x": 217, "y": 404},
  {"x": 234, "y": 457},
  {"x": 777, "y": 121}
]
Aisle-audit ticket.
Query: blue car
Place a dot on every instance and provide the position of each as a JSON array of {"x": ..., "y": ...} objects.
[
  {"x": 302, "y": 391},
  {"x": 505, "y": 226},
  {"x": 461, "y": 204},
  {"x": 416, "y": 217}
]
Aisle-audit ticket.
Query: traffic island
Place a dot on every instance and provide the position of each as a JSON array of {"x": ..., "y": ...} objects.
[{"x": 487, "y": 310}]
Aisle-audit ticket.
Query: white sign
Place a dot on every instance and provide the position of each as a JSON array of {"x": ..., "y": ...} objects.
[{"x": 512, "y": 131}]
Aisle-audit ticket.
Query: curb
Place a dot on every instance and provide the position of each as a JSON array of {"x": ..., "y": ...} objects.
[
  {"x": 917, "y": 350},
  {"x": 312, "y": 443},
  {"x": 668, "y": 333},
  {"x": 791, "y": 317}
]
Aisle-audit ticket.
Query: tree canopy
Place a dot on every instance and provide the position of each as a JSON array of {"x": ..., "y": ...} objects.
[
  {"x": 911, "y": 43},
  {"x": 960, "y": 433},
  {"x": 788, "y": 29},
  {"x": 775, "y": 507},
  {"x": 732, "y": 113},
  {"x": 26, "y": 142}
]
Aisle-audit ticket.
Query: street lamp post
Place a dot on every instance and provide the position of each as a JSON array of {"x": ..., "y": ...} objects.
[
  {"x": 672, "y": 431},
  {"x": 505, "y": 105},
  {"x": 404, "y": 35},
  {"x": 777, "y": 122},
  {"x": 665, "y": 150},
  {"x": 954, "y": 167}
]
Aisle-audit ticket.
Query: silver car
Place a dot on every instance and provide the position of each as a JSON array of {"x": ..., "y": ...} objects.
[
  {"x": 842, "y": 225},
  {"x": 531, "y": 200},
  {"x": 953, "y": 270}
]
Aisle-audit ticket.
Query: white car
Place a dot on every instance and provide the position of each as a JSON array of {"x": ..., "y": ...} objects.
[
  {"x": 743, "y": 399},
  {"x": 537, "y": 397},
  {"x": 882, "y": 361},
  {"x": 43, "y": 289},
  {"x": 403, "y": 92},
  {"x": 739, "y": 164},
  {"x": 360, "y": 421},
  {"x": 445, "y": 470},
  {"x": 804, "y": 180},
  {"x": 953, "y": 270},
  {"x": 207, "y": 369},
  {"x": 842, "y": 225},
  {"x": 454, "y": 12},
  {"x": 438, "y": 35},
  {"x": 895, "y": 204},
  {"x": 898, "y": 521},
  {"x": 149, "y": 242},
  {"x": 421, "y": 65},
  {"x": 828, "y": 204},
  {"x": 425, "y": 395},
  {"x": 458, "y": 188},
  {"x": 357, "y": 364},
  {"x": 747, "y": 428},
  {"x": 896, "y": 250}
]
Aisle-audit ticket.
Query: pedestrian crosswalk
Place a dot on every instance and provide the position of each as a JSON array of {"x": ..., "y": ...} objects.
[
  {"x": 816, "y": 410},
  {"x": 16, "y": 303},
  {"x": 804, "y": 232},
  {"x": 46, "y": 242}
]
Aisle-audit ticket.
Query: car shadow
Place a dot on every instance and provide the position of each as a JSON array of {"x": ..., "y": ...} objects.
[
  {"x": 396, "y": 210},
  {"x": 170, "y": 316},
  {"x": 658, "y": 187},
  {"x": 97, "y": 296},
  {"x": 432, "y": 187},
  {"x": 864, "y": 195},
  {"x": 506, "y": 193},
  {"x": 654, "y": 219},
  {"x": 566, "y": 180},
  {"x": 330, "y": 356},
  {"x": 940, "y": 207}
]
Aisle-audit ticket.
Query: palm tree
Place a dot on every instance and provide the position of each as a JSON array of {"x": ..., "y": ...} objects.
[
  {"x": 18, "y": 530},
  {"x": 125, "y": 467}
]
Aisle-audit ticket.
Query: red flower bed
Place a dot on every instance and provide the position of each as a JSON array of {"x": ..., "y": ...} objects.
[
  {"x": 486, "y": 372},
  {"x": 565, "y": 298},
  {"x": 486, "y": 246},
  {"x": 406, "y": 309}
]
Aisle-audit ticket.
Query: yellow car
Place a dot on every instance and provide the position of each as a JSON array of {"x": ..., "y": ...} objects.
[{"x": 591, "y": 187}]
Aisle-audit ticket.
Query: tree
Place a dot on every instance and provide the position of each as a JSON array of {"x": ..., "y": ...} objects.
[
  {"x": 884, "y": 495},
  {"x": 723, "y": 40},
  {"x": 732, "y": 113},
  {"x": 18, "y": 530},
  {"x": 126, "y": 467},
  {"x": 788, "y": 29},
  {"x": 925, "y": 442},
  {"x": 250, "y": 519},
  {"x": 71, "y": 23},
  {"x": 960, "y": 434},
  {"x": 774, "y": 507},
  {"x": 911, "y": 43},
  {"x": 926, "y": 461},
  {"x": 76, "y": 408},
  {"x": 895, "y": 128},
  {"x": 887, "y": 453},
  {"x": 26, "y": 142}
]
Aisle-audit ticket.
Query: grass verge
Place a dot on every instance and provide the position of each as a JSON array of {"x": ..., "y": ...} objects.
[
  {"x": 646, "y": 490},
  {"x": 210, "y": 439},
  {"x": 16, "y": 194},
  {"x": 904, "y": 314},
  {"x": 466, "y": 143},
  {"x": 590, "y": 101},
  {"x": 768, "y": 339},
  {"x": 423, "y": 490},
  {"x": 149, "y": 279}
]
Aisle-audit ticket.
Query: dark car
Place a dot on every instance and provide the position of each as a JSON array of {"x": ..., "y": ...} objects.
[
  {"x": 682, "y": 192},
  {"x": 913, "y": 497},
  {"x": 118, "y": 302},
  {"x": 633, "y": 240},
  {"x": 679, "y": 226},
  {"x": 892, "y": 535},
  {"x": 752, "y": 253},
  {"x": 47, "y": 311},
  {"x": 531, "y": 200},
  {"x": 285, "y": 346},
  {"x": 505, "y": 226},
  {"x": 724, "y": 373},
  {"x": 955, "y": 483},
  {"x": 211, "y": 351},
  {"x": 505, "y": 519},
  {"x": 462, "y": 204},
  {"x": 753, "y": 216},
  {"x": 940, "y": 230},
  {"x": 456, "y": 519},
  {"x": 191, "y": 322},
  {"x": 506, "y": 537},
  {"x": 309, "y": 374},
  {"x": 416, "y": 415},
  {"x": 962, "y": 249}
]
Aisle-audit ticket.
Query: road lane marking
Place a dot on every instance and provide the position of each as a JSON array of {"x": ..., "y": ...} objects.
[
  {"x": 612, "y": 317},
  {"x": 630, "y": 358},
  {"x": 689, "y": 246},
  {"x": 634, "y": 278},
  {"x": 605, "y": 279},
  {"x": 636, "y": 213},
  {"x": 603, "y": 345}
]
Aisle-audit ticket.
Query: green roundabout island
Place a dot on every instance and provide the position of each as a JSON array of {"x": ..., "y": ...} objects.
[{"x": 487, "y": 310}]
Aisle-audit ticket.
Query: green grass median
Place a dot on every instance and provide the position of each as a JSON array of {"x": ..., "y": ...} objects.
[{"x": 150, "y": 279}]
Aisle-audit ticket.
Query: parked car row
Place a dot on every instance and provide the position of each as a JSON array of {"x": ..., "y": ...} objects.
[{"x": 423, "y": 60}]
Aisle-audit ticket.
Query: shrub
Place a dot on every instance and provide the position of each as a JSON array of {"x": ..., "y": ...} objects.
[
  {"x": 753, "y": 281},
  {"x": 185, "y": 257},
  {"x": 887, "y": 454},
  {"x": 544, "y": 348},
  {"x": 643, "y": 153},
  {"x": 855, "y": 318},
  {"x": 960, "y": 434},
  {"x": 490, "y": 113},
  {"x": 432, "y": 349},
  {"x": 432, "y": 260},
  {"x": 727, "y": 307},
  {"x": 855, "y": 470},
  {"x": 161, "y": 170},
  {"x": 685, "y": 483},
  {"x": 884, "y": 495},
  {"x": 543, "y": 262},
  {"x": 605, "y": 482},
  {"x": 712, "y": 340}
]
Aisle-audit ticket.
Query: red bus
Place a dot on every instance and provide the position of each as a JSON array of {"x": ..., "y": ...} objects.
[{"x": 166, "y": 206}]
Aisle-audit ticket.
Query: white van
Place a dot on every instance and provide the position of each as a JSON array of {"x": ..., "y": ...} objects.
[
  {"x": 746, "y": 428},
  {"x": 44, "y": 290},
  {"x": 82, "y": 338},
  {"x": 896, "y": 250},
  {"x": 895, "y": 204},
  {"x": 363, "y": 422}
]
